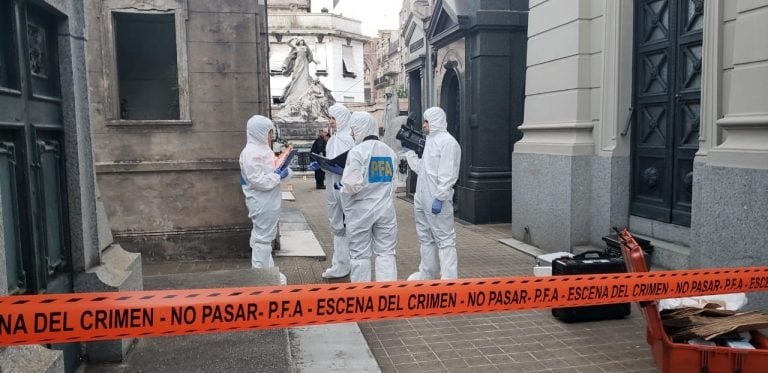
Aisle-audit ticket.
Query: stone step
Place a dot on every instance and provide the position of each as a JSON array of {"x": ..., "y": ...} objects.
[
  {"x": 667, "y": 255},
  {"x": 249, "y": 351}
]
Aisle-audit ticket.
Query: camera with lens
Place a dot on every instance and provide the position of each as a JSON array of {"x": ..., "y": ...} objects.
[{"x": 410, "y": 137}]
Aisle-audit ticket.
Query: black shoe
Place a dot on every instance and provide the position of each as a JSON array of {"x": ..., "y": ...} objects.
[{"x": 320, "y": 187}]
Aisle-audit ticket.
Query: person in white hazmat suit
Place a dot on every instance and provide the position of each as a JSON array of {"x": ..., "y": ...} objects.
[
  {"x": 368, "y": 191},
  {"x": 340, "y": 142},
  {"x": 438, "y": 170},
  {"x": 260, "y": 182}
]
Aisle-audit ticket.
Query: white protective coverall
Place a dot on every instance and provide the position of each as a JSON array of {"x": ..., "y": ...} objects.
[
  {"x": 339, "y": 143},
  {"x": 368, "y": 194},
  {"x": 261, "y": 186},
  {"x": 438, "y": 170}
]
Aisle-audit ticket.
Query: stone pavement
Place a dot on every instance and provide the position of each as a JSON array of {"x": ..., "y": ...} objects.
[{"x": 530, "y": 341}]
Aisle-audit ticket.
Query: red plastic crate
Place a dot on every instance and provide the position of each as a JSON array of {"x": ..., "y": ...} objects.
[{"x": 685, "y": 358}]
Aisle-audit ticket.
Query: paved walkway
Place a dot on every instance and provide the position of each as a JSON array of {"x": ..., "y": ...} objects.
[{"x": 530, "y": 341}]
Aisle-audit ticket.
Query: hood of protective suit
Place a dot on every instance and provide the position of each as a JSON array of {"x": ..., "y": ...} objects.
[
  {"x": 436, "y": 118},
  {"x": 363, "y": 125},
  {"x": 342, "y": 115},
  {"x": 258, "y": 129}
]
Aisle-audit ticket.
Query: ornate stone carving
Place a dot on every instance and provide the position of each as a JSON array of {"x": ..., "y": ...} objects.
[
  {"x": 37, "y": 50},
  {"x": 305, "y": 98},
  {"x": 651, "y": 177}
]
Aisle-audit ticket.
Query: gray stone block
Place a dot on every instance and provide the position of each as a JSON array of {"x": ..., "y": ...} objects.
[
  {"x": 245, "y": 351},
  {"x": 258, "y": 351},
  {"x": 641, "y": 225},
  {"x": 667, "y": 255},
  {"x": 581, "y": 199},
  {"x": 120, "y": 271},
  {"x": 32, "y": 358},
  {"x": 213, "y": 117},
  {"x": 196, "y": 245},
  {"x": 214, "y": 279},
  {"x": 672, "y": 233},
  {"x": 222, "y": 27},
  {"x": 174, "y": 201},
  {"x": 550, "y": 197},
  {"x": 224, "y": 87},
  {"x": 223, "y": 57},
  {"x": 224, "y": 6},
  {"x": 540, "y": 203},
  {"x": 610, "y": 196},
  {"x": 730, "y": 220}
]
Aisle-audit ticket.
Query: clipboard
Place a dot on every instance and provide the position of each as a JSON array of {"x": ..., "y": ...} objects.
[
  {"x": 285, "y": 158},
  {"x": 325, "y": 163}
]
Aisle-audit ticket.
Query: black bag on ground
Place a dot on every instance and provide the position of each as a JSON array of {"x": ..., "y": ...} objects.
[{"x": 590, "y": 262}]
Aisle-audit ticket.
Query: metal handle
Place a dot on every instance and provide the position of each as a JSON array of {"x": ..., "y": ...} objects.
[{"x": 629, "y": 122}]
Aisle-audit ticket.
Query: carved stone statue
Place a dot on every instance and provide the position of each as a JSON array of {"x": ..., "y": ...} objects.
[
  {"x": 391, "y": 108},
  {"x": 390, "y": 131},
  {"x": 305, "y": 98}
]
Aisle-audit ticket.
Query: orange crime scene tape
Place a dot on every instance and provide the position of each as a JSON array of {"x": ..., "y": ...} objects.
[{"x": 40, "y": 319}]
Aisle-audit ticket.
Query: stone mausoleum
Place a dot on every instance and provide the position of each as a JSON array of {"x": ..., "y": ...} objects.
[
  {"x": 468, "y": 57},
  {"x": 168, "y": 120}
]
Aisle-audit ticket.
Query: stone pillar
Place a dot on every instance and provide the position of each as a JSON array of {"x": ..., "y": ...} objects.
[
  {"x": 551, "y": 165},
  {"x": 610, "y": 179},
  {"x": 494, "y": 113},
  {"x": 570, "y": 171},
  {"x": 730, "y": 195},
  {"x": 98, "y": 265}
]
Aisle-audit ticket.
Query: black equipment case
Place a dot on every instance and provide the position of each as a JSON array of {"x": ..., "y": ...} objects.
[{"x": 590, "y": 262}]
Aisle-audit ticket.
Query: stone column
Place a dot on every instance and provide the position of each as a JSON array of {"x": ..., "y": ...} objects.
[
  {"x": 730, "y": 195},
  {"x": 551, "y": 165},
  {"x": 494, "y": 113},
  {"x": 98, "y": 264},
  {"x": 611, "y": 164}
]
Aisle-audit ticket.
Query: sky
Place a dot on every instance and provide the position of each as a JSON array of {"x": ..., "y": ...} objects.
[{"x": 375, "y": 14}]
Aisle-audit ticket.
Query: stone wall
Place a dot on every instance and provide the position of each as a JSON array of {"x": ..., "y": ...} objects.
[
  {"x": 551, "y": 165},
  {"x": 730, "y": 202},
  {"x": 164, "y": 181}
]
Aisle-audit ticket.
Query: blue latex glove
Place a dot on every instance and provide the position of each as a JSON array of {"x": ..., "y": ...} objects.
[
  {"x": 336, "y": 169},
  {"x": 283, "y": 173},
  {"x": 337, "y": 185},
  {"x": 314, "y": 166},
  {"x": 437, "y": 206}
]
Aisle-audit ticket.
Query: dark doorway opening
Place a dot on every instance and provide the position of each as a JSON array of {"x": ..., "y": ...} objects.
[{"x": 450, "y": 101}]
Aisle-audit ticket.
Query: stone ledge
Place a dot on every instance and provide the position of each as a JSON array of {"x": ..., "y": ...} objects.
[
  {"x": 667, "y": 255},
  {"x": 120, "y": 270},
  {"x": 523, "y": 247},
  {"x": 167, "y": 166}
]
